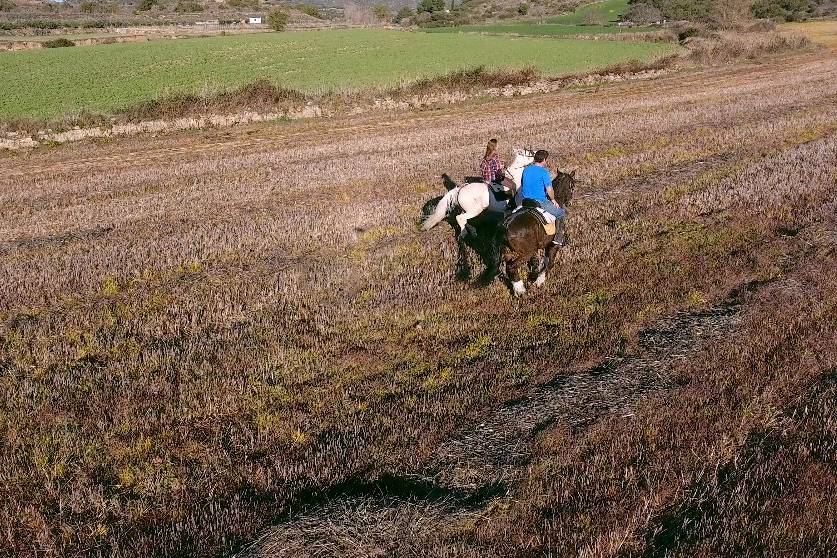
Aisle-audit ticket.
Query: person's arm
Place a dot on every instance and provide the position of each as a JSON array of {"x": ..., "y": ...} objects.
[{"x": 550, "y": 193}]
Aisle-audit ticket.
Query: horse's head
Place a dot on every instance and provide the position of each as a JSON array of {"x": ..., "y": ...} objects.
[
  {"x": 563, "y": 184},
  {"x": 520, "y": 153},
  {"x": 522, "y": 158}
]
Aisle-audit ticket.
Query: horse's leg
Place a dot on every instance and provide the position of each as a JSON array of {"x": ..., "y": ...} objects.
[
  {"x": 462, "y": 221},
  {"x": 463, "y": 263},
  {"x": 472, "y": 201},
  {"x": 562, "y": 237},
  {"x": 514, "y": 269},
  {"x": 548, "y": 260}
]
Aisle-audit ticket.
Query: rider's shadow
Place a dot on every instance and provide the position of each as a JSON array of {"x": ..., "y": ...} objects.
[{"x": 482, "y": 240}]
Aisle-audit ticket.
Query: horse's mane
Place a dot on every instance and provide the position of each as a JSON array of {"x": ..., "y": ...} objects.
[{"x": 563, "y": 185}]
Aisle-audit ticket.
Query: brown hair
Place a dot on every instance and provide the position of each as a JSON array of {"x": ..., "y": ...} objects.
[
  {"x": 541, "y": 155},
  {"x": 490, "y": 148}
]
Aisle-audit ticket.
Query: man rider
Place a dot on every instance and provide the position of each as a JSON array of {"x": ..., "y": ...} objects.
[{"x": 536, "y": 185}]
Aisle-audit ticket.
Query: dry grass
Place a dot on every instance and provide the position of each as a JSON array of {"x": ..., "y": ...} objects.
[
  {"x": 261, "y": 95},
  {"x": 727, "y": 47},
  {"x": 195, "y": 332}
]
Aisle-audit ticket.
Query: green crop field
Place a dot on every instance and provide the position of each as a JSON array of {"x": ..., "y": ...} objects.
[
  {"x": 605, "y": 14},
  {"x": 608, "y": 11},
  {"x": 46, "y": 83},
  {"x": 537, "y": 29}
]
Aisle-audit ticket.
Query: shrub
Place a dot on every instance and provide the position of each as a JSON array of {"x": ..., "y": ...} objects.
[
  {"x": 277, "y": 19},
  {"x": 7, "y": 5},
  {"x": 309, "y": 9},
  {"x": 731, "y": 47},
  {"x": 188, "y": 6},
  {"x": 422, "y": 18},
  {"x": 430, "y": 6},
  {"x": 243, "y": 4},
  {"x": 146, "y": 5},
  {"x": 382, "y": 12},
  {"x": 523, "y": 9},
  {"x": 788, "y": 10},
  {"x": 594, "y": 18},
  {"x": 434, "y": 19},
  {"x": 687, "y": 33},
  {"x": 693, "y": 10},
  {"x": 402, "y": 14},
  {"x": 87, "y": 7},
  {"x": 642, "y": 13},
  {"x": 58, "y": 43}
]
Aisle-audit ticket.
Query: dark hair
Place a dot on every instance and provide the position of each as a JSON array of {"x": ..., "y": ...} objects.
[{"x": 541, "y": 155}]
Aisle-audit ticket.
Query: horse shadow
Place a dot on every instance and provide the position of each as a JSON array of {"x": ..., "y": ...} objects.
[{"x": 481, "y": 239}]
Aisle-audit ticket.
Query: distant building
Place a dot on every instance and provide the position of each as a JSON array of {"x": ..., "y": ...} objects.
[{"x": 254, "y": 20}]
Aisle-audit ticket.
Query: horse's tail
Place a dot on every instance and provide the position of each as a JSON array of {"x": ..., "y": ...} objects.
[
  {"x": 507, "y": 251},
  {"x": 442, "y": 209}
]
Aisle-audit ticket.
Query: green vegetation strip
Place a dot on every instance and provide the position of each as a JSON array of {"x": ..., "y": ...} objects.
[
  {"x": 48, "y": 83},
  {"x": 598, "y": 18},
  {"x": 536, "y": 29},
  {"x": 608, "y": 11}
]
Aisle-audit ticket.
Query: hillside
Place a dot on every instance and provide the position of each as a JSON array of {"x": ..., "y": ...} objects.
[{"x": 791, "y": 10}]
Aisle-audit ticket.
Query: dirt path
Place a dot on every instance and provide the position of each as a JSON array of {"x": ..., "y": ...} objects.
[{"x": 476, "y": 470}]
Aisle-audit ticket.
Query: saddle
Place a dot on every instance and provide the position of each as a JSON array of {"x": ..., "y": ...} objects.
[
  {"x": 546, "y": 219},
  {"x": 502, "y": 189}
]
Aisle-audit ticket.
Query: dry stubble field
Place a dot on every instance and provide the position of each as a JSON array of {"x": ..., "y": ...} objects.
[{"x": 203, "y": 335}]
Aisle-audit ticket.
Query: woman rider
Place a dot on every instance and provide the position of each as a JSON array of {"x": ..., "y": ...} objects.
[{"x": 491, "y": 163}]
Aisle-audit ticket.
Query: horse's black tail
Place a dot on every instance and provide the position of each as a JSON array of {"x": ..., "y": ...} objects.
[{"x": 505, "y": 249}]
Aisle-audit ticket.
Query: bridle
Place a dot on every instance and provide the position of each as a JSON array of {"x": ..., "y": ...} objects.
[{"x": 526, "y": 153}]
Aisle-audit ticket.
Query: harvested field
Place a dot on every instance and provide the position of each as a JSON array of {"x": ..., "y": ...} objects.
[{"x": 236, "y": 340}]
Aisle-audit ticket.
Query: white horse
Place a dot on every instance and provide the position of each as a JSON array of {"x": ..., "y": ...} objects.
[{"x": 473, "y": 198}]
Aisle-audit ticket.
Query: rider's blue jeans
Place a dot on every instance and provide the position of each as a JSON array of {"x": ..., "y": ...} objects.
[
  {"x": 552, "y": 209},
  {"x": 548, "y": 206}
]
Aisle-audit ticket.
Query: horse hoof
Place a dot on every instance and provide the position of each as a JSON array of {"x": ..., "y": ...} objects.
[{"x": 519, "y": 288}]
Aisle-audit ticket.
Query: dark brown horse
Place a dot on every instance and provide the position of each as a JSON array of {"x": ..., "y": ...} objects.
[{"x": 522, "y": 235}]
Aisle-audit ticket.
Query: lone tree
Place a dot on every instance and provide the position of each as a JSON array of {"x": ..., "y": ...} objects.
[
  {"x": 642, "y": 13},
  {"x": 277, "y": 19}
]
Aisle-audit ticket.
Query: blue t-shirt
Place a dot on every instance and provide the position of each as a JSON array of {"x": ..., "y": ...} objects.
[{"x": 534, "y": 183}]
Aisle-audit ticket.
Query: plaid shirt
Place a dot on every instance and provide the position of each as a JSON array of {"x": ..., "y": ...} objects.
[{"x": 489, "y": 167}]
